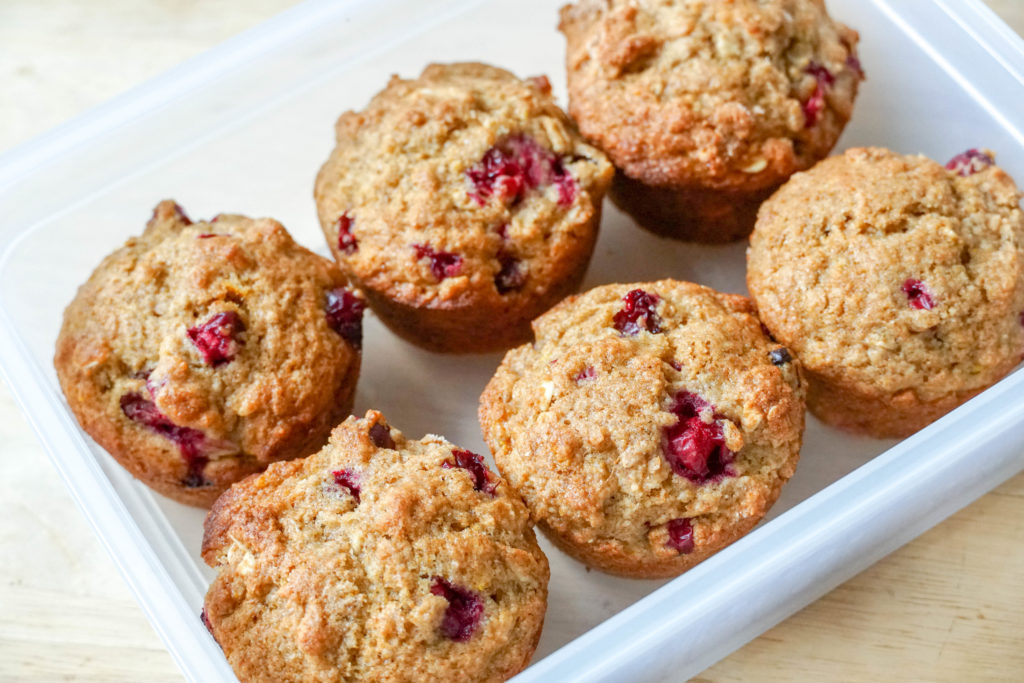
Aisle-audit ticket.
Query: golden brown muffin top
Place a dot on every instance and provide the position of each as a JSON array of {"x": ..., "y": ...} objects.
[
  {"x": 380, "y": 558},
  {"x": 590, "y": 422},
  {"x": 886, "y": 272},
  {"x": 710, "y": 93},
  {"x": 466, "y": 183},
  {"x": 209, "y": 345}
]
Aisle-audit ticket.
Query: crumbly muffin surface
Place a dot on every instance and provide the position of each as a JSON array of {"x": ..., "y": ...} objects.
[
  {"x": 380, "y": 558},
  {"x": 200, "y": 352},
  {"x": 465, "y": 186},
  {"x": 704, "y": 93},
  {"x": 894, "y": 277},
  {"x": 643, "y": 410}
]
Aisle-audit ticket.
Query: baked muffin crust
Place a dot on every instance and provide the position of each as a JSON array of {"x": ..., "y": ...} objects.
[
  {"x": 648, "y": 426},
  {"x": 706, "y": 96},
  {"x": 380, "y": 558},
  {"x": 200, "y": 352},
  {"x": 463, "y": 203},
  {"x": 898, "y": 283}
]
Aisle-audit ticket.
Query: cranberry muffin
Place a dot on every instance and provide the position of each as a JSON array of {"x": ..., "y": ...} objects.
[
  {"x": 198, "y": 353},
  {"x": 463, "y": 203},
  {"x": 898, "y": 283},
  {"x": 648, "y": 426},
  {"x": 706, "y": 107},
  {"x": 379, "y": 558}
]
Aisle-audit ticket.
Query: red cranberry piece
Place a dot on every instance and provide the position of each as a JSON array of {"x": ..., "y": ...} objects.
[
  {"x": 191, "y": 442},
  {"x": 780, "y": 356},
  {"x": 565, "y": 183},
  {"x": 853, "y": 62},
  {"x": 515, "y": 166},
  {"x": 510, "y": 277},
  {"x": 695, "y": 449},
  {"x": 483, "y": 480},
  {"x": 182, "y": 216},
  {"x": 638, "y": 314},
  {"x": 217, "y": 338},
  {"x": 206, "y": 621},
  {"x": 347, "y": 242},
  {"x": 348, "y": 480},
  {"x": 380, "y": 435},
  {"x": 443, "y": 264},
  {"x": 502, "y": 231},
  {"x": 970, "y": 162},
  {"x": 680, "y": 536},
  {"x": 345, "y": 315},
  {"x": 815, "y": 104},
  {"x": 585, "y": 374},
  {"x": 465, "y": 608},
  {"x": 918, "y": 295},
  {"x": 676, "y": 365}
]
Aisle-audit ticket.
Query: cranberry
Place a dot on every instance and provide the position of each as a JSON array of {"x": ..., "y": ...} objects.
[
  {"x": 695, "y": 449},
  {"x": 348, "y": 480},
  {"x": 515, "y": 166},
  {"x": 585, "y": 374},
  {"x": 510, "y": 277},
  {"x": 443, "y": 264},
  {"x": 217, "y": 338},
  {"x": 918, "y": 295},
  {"x": 815, "y": 104},
  {"x": 483, "y": 480},
  {"x": 676, "y": 365},
  {"x": 345, "y": 315},
  {"x": 502, "y": 231},
  {"x": 970, "y": 162},
  {"x": 465, "y": 608},
  {"x": 206, "y": 621},
  {"x": 780, "y": 356},
  {"x": 182, "y": 216},
  {"x": 207, "y": 235},
  {"x": 638, "y": 314},
  {"x": 380, "y": 435},
  {"x": 680, "y": 536},
  {"x": 347, "y": 242},
  {"x": 853, "y": 62},
  {"x": 191, "y": 442}
]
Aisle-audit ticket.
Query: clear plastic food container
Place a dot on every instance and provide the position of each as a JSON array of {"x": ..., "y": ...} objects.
[{"x": 244, "y": 129}]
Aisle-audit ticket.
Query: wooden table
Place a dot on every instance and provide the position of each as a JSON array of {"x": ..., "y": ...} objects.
[{"x": 949, "y": 606}]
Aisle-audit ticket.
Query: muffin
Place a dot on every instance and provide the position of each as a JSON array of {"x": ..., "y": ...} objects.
[
  {"x": 897, "y": 283},
  {"x": 648, "y": 426},
  {"x": 198, "y": 353},
  {"x": 379, "y": 558},
  {"x": 463, "y": 203},
  {"x": 706, "y": 107}
]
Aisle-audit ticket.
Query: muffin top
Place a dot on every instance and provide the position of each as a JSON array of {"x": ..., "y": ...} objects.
[
  {"x": 886, "y": 272},
  {"x": 465, "y": 184},
  {"x": 707, "y": 93},
  {"x": 380, "y": 558},
  {"x": 642, "y": 406},
  {"x": 202, "y": 351}
]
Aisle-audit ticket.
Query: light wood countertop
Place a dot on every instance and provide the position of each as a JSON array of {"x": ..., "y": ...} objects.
[{"x": 947, "y": 607}]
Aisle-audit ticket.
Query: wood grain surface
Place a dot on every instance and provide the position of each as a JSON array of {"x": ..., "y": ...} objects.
[{"x": 947, "y": 607}]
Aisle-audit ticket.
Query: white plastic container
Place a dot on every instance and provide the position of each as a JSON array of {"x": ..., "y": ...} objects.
[{"x": 244, "y": 129}]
